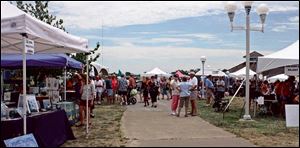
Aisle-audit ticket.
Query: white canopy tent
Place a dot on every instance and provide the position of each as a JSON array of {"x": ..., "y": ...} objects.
[
  {"x": 18, "y": 26},
  {"x": 100, "y": 67},
  {"x": 156, "y": 71},
  {"x": 281, "y": 58},
  {"x": 242, "y": 73},
  {"x": 214, "y": 73},
  {"x": 280, "y": 77}
]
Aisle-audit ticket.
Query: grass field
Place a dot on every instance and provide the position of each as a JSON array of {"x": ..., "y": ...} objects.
[
  {"x": 105, "y": 130},
  {"x": 263, "y": 131}
]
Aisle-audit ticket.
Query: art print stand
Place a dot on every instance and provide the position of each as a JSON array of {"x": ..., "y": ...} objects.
[
  {"x": 52, "y": 85},
  {"x": 22, "y": 141},
  {"x": 31, "y": 104}
]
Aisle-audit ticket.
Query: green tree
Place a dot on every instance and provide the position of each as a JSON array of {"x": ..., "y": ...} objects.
[
  {"x": 40, "y": 11},
  {"x": 82, "y": 56}
]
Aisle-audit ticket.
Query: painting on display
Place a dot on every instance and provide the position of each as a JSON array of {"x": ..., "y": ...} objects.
[
  {"x": 32, "y": 103},
  {"x": 21, "y": 141},
  {"x": 7, "y": 96}
]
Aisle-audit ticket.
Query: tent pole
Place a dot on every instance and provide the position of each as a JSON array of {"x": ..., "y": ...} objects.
[
  {"x": 87, "y": 107},
  {"x": 24, "y": 84},
  {"x": 65, "y": 81}
]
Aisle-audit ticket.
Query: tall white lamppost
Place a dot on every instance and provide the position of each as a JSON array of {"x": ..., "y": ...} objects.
[
  {"x": 262, "y": 11},
  {"x": 203, "y": 59}
]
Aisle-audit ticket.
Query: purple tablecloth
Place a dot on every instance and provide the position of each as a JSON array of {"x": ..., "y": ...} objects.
[{"x": 49, "y": 129}]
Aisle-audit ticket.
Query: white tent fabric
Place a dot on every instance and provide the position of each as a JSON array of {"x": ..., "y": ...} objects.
[
  {"x": 242, "y": 73},
  {"x": 17, "y": 25},
  {"x": 280, "y": 77},
  {"x": 157, "y": 71},
  {"x": 215, "y": 73},
  {"x": 284, "y": 57},
  {"x": 99, "y": 67},
  {"x": 47, "y": 39}
]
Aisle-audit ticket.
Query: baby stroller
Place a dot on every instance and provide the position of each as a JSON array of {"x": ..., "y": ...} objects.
[{"x": 132, "y": 98}]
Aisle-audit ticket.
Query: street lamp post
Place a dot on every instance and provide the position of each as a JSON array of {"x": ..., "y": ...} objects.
[
  {"x": 262, "y": 10},
  {"x": 203, "y": 59}
]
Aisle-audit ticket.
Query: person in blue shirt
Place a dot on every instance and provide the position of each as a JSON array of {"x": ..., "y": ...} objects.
[
  {"x": 209, "y": 90},
  {"x": 185, "y": 91}
]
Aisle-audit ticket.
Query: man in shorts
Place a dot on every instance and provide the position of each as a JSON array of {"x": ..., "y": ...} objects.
[
  {"x": 194, "y": 93},
  {"x": 209, "y": 90}
]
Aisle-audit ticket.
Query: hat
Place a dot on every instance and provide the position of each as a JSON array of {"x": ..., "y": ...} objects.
[{"x": 192, "y": 73}]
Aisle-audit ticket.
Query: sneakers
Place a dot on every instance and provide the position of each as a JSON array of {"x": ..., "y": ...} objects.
[
  {"x": 173, "y": 113},
  {"x": 92, "y": 115},
  {"x": 207, "y": 105}
]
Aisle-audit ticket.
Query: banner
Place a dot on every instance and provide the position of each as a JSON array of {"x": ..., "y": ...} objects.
[
  {"x": 29, "y": 46},
  {"x": 291, "y": 70}
]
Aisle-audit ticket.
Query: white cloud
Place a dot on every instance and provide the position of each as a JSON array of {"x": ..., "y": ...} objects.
[
  {"x": 113, "y": 14},
  {"x": 138, "y": 59},
  {"x": 281, "y": 28},
  {"x": 177, "y": 41},
  {"x": 291, "y": 23},
  {"x": 294, "y": 19}
]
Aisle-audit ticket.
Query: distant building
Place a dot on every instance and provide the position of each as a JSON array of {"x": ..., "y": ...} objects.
[{"x": 253, "y": 62}]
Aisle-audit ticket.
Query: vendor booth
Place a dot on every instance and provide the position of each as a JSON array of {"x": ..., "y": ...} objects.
[{"x": 23, "y": 34}]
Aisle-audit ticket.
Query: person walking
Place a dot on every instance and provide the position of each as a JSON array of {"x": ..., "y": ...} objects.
[
  {"x": 109, "y": 90},
  {"x": 99, "y": 89},
  {"x": 122, "y": 90},
  {"x": 163, "y": 87},
  {"x": 184, "y": 88},
  {"x": 153, "y": 91},
  {"x": 194, "y": 93},
  {"x": 92, "y": 82},
  {"x": 114, "y": 83},
  {"x": 175, "y": 94},
  {"x": 131, "y": 85},
  {"x": 145, "y": 89},
  {"x": 87, "y": 93},
  {"x": 209, "y": 90}
]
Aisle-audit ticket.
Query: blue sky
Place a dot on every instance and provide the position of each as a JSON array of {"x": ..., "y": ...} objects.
[{"x": 138, "y": 36}]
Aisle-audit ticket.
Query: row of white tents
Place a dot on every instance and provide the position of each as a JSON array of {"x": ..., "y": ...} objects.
[{"x": 285, "y": 57}]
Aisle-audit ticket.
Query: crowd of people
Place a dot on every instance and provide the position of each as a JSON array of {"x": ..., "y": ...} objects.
[{"x": 182, "y": 91}]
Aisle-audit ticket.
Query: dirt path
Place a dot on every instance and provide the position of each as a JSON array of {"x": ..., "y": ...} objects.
[{"x": 146, "y": 126}]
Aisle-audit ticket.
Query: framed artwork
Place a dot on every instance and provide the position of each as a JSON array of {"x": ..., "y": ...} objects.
[
  {"x": 46, "y": 104},
  {"x": 21, "y": 141},
  {"x": 34, "y": 90},
  {"x": 32, "y": 103},
  {"x": 55, "y": 84},
  {"x": 4, "y": 110},
  {"x": 7, "y": 96}
]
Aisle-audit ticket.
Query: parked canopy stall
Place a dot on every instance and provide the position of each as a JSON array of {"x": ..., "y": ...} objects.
[
  {"x": 18, "y": 28},
  {"x": 274, "y": 63}
]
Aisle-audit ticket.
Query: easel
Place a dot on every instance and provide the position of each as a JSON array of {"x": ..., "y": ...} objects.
[{"x": 233, "y": 98}]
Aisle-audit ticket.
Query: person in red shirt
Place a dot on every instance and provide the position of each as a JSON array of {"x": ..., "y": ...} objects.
[{"x": 115, "y": 86}]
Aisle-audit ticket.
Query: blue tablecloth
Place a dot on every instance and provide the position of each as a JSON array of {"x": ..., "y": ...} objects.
[{"x": 50, "y": 129}]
